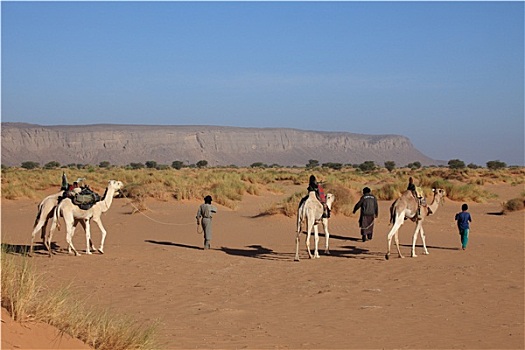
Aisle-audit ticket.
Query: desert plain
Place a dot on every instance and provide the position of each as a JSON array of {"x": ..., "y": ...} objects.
[{"x": 248, "y": 293}]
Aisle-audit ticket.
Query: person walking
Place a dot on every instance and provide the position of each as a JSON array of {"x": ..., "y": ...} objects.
[
  {"x": 204, "y": 217},
  {"x": 369, "y": 212},
  {"x": 463, "y": 218}
]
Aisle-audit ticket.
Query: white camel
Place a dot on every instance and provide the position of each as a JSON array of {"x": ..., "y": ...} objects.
[
  {"x": 406, "y": 207},
  {"x": 44, "y": 213},
  {"x": 312, "y": 210},
  {"x": 71, "y": 212}
]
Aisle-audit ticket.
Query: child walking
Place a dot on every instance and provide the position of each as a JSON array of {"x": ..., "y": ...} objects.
[{"x": 463, "y": 220}]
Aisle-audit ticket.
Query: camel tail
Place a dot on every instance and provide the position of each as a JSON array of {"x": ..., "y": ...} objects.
[
  {"x": 56, "y": 213},
  {"x": 300, "y": 214},
  {"x": 393, "y": 213},
  {"x": 38, "y": 214}
]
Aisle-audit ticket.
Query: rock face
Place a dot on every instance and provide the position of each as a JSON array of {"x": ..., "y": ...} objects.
[{"x": 124, "y": 144}]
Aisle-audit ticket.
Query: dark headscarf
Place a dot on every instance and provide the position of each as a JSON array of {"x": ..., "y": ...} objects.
[{"x": 207, "y": 199}]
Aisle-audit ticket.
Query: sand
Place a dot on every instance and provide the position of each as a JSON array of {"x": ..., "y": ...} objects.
[{"x": 247, "y": 292}]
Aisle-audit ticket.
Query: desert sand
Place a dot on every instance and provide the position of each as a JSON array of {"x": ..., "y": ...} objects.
[{"x": 247, "y": 292}]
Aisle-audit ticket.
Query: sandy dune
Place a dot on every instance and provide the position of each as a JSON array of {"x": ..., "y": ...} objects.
[{"x": 248, "y": 293}]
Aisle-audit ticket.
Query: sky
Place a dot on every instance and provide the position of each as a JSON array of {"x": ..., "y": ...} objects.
[{"x": 447, "y": 75}]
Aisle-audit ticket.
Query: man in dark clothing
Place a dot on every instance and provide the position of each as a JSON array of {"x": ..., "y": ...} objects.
[{"x": 369, "y": 211}]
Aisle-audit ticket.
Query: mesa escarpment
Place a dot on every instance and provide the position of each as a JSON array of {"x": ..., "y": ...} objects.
[{"x": 124, "y": 144}]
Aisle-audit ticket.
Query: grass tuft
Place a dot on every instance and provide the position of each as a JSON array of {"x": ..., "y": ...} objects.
[{"x": 26, "y": 299}]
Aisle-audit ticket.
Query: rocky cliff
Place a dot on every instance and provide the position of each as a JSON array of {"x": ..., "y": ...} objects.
[{"x": 124, "y": 144}]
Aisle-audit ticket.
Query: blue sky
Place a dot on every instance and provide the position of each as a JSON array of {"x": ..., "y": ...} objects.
[{"x": 448, "y": 75}]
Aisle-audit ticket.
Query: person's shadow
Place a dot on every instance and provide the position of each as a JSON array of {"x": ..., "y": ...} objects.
[{"x": 180, "y": 245}]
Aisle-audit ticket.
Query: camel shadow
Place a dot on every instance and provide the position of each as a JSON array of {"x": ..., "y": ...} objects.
[
  {"x": 429, "y": 247},
  {"x": 258, "y": 252},
  {"x": 333, "y": 236},
  {"x": 353, "y": 252},
  {"x": 23, "y": 249},
  {"x": 180, "y": 245}
]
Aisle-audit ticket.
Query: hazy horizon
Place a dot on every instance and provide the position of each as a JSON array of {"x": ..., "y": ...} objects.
[{"x": 447, "y": 75}]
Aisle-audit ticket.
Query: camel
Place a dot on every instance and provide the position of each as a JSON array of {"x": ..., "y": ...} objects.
[
  {"x": 44, "y": 213},
  {"x": 406, "y": 207},
  {"x": 312, "y": 210},
  {"x": 71, "y": 212}
]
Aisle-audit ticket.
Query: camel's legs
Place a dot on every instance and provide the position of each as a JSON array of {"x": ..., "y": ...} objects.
[
  {"x": 414, "y": 239},
  {"x": 396, "y": 239},
  {"x": 327, "y": 236},
  {"x": 308, "y": 234},
  {"x": 394, "y": 233},
  {"x": 297, "y": 246},
  {"x": 316, "y": 238},
  {"x": 69, "y": 239},
  {"x": 88, "y": 236},
  {"x": 423, "y": 238},
  {"x": 103, "y": 230},
  {"x": 37, "y": 228}
]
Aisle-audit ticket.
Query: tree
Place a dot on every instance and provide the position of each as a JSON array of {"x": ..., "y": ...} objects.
[
  {"x": 202, "y": 163},
  {"x": 335, "y": 166},
  {"x": 258, "y": 165},
  {"x": 496, "y": 164},
  {"x": 368, "y": 165},
  {"x": 151, "y": 164},
  {"x": 456, "y": 164},
  {"x": 104, "y": 164},
  {"x": 177, "y": 164},
  {"x": 312, "y": 163},
  {"x": 136, "y": 165},
  {"x": 52, "y": 165},
  {"x": 30, "y": 165},
  {"x": 473, "y": 166},
  {"x": 390, "y": 165},
  {"x": 414, "y": 165}
]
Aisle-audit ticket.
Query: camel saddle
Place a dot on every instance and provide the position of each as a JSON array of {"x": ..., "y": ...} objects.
[{"x": 85, "y": 199}]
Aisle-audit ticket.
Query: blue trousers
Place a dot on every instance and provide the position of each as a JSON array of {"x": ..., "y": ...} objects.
[{"x": 464, "y": 238}]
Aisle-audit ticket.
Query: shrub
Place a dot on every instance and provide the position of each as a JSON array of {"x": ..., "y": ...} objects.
[
  {"x": 496, "y": 164},
  {"x": 456, "y": 164},
  {"x": 30, "y": 165},
  {"x": 177, "y": 164},
  {"x": 202, "y": 164},
  {"x": 514, "y": 204},
  {"x": 52, "y": 165},
  {"x": 367, "y": 166},
  {"x": 390, "y": 165}
]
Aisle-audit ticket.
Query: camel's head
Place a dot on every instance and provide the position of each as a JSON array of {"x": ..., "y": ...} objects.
[
  {"x": 330, "y": 198},
  {"x": 116, "y": 186},
  {"x": 439, "y": 194}
]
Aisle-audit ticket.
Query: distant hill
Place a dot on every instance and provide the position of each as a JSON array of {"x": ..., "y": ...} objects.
[{"x": 124, "y": 144}]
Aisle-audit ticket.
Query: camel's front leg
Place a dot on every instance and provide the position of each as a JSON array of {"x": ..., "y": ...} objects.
[
  {"x": 327, "y": 236},
  {"x": 414, "y": 239},
  {"x": 103, "y": 230},
  {"x": 423, "y": 238}
]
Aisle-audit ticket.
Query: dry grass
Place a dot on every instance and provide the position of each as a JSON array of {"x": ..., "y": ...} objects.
[
  {"x": 26, "y": 298},
  {"x": 228, "y": 185}
]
